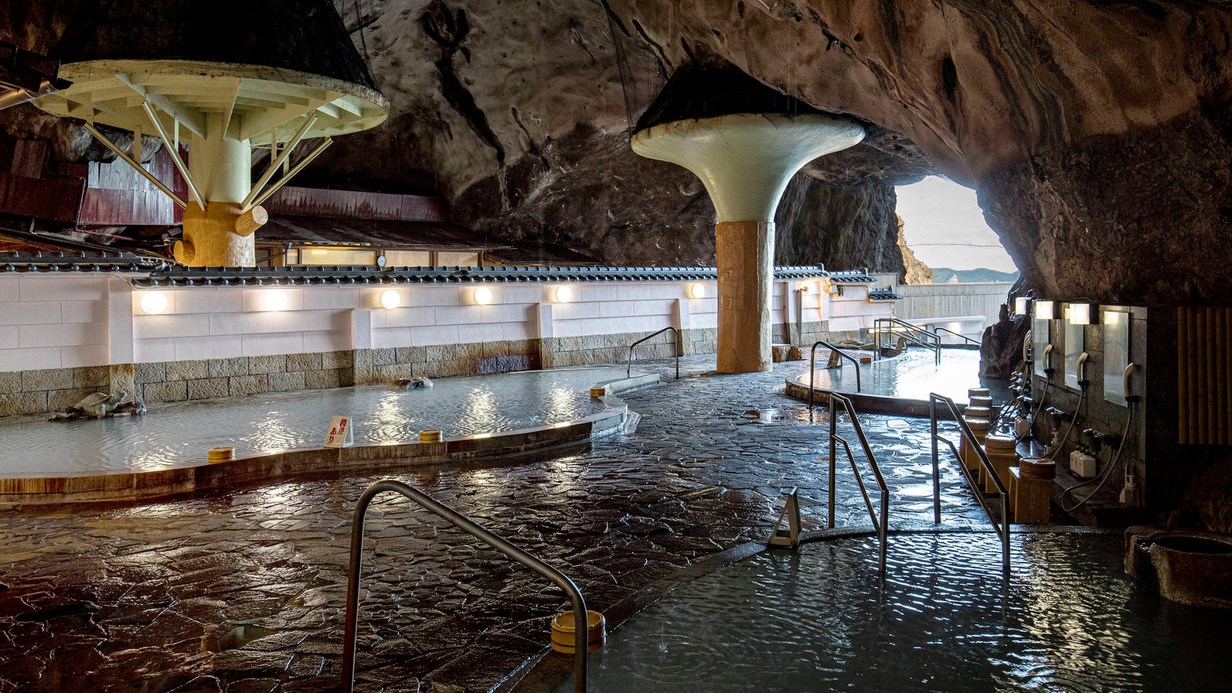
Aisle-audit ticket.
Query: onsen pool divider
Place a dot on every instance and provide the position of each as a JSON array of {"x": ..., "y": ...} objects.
[{"x": 250, "y": 469}]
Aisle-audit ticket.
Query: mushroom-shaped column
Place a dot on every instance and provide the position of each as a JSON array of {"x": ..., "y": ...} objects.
[
  {"x": 745, "y": 161},
  {"x": 219, "y": 79}
]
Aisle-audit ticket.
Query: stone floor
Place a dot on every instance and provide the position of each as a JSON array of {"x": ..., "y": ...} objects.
[{"x": 244, "y": 590}]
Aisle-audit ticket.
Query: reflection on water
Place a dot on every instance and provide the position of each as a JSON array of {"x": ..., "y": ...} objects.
[
  {"x": 911, "y": 376},
  {"x": 819, "y": 619},
  {"x": 180, "y": 434}
]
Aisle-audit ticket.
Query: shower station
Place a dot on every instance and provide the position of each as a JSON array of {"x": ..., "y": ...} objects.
[{"x": 218, "y": 112}]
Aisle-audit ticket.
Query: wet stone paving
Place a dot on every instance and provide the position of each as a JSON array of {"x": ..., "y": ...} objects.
[{"x": 245, "y": 590}]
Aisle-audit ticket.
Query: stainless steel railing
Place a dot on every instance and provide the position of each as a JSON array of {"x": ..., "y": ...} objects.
[
  {"x": 912, "y": 333},
  {"x": 880, "y": 524},
  {"x": 679, "y": 348},
  {"x": 813, "y": 366},
  {"x": 463, "y": 523},
  {"x": 937, "y": 329},
  {"x": 1003, "y": 527}
]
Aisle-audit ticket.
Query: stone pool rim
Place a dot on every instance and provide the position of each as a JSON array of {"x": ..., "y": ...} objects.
[
  {"x": 126, "y": 486},
  {"x": 870, "y": 403}
]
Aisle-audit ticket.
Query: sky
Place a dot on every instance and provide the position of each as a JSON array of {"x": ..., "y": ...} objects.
[{"x": 943, "y": 224}]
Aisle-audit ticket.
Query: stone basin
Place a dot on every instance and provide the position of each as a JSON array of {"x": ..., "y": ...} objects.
[{"x": 1193, "y": 568}]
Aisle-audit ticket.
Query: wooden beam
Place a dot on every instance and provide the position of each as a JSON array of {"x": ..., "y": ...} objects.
[
  {"x": 175, "y": 155},
  {"x": 136, "y": 166},
  {"x": 273, "y": 118},
  {"x": 269, "y": 172},
  {"x": 230, "y": 107},
  {"x": 192, "y": 121},
  {"x": 291, "y": 174}
]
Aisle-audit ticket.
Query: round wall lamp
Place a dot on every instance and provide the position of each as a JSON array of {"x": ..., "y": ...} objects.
[
  {"x": 274, "y": 299},
  {"x": 697, "y": 290},
  {"x": 390, "y": 299},
  {"x": 483, "y": 295},
  {"x": 563, "y": 294},
  {"x": 153, "y": 302}
]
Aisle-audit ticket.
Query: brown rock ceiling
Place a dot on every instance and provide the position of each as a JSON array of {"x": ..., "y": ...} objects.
[{"x": 1095, "y": 132}]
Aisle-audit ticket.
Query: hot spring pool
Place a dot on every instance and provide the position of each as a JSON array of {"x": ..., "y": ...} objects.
[
  {"x": 177, "y": 435},
  {"x": 818, "y": 620}
]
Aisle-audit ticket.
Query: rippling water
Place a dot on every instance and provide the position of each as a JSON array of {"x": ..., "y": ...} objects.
[
  {"x": 818, "y": 620},
  {"x": 174, "y": 435}
]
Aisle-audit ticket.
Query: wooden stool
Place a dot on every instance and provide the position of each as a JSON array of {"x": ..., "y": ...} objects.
[
  {"x": 970, "y": 459},
  {"x": 1031, "y": 499},
  {"x": 1002, "y": 456}
]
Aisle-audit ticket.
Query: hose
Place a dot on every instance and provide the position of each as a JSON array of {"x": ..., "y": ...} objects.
[
  {"x": 1107, "y": 474},
  {"x": 1061, "y": 445}
]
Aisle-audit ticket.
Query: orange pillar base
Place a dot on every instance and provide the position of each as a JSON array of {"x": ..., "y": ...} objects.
[
  {"x": 745, "y": 251},
  {"x": 211, "y": 240}
]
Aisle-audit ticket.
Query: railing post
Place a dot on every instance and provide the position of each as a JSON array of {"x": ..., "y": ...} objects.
[
  {"x": 932, "y": 429},
  {"x": 833, "y": 453},
  {"x": 812, "y": 373},
  {"x": 351, "y": 624}
]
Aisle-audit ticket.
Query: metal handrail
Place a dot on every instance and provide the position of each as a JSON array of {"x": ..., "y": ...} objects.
[
  {"x": 880, "y": 525},
  {"x": 679, "y": 348},
  {"x": 930, "y": 340},
  {"x": 813, "y": 365},
  {"x": 463, "y": 523},
  {"x": 956, "y": 334},
  {"x": 1002, "y": 528}
]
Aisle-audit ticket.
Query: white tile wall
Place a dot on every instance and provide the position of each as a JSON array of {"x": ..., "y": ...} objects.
[{"x": 55, "y": 321}]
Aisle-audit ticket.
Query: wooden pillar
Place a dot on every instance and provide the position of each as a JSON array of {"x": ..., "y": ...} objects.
[{"x": 745, "y": 251}]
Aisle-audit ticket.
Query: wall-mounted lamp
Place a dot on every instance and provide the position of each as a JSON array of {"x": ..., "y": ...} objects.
[
  {"x": 697, "y": 290},
  {"x": 563, "y": 294},
  {"x": 390, "y": 299},
  {"x": 1045, "y": 310},
  {"x": 1081, "y": 313},
  {"x": 1022, "y": 305},
  {"x": 274, "y": 299},
  {"x": 483, "y": 295},
  {"x": 153, "y": 302}
]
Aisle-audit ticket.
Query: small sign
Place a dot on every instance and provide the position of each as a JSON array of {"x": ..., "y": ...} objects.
[{"x": 340, "y": 434}]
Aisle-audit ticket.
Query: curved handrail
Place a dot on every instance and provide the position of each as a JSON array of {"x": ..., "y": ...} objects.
[
  {"x": 956, "y": 334},
  {"x": 463, "y": 523},
  {"x": 1002, "y": 528},
  {"x": 880, "y": 525},
  {"x": 813, "y": 365},
  {"x": 629, "y": 366},
  {"x": 928, "y": 340}
]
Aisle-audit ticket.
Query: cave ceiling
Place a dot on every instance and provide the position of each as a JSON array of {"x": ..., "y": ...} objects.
[{"x": 1095, "y": 132}]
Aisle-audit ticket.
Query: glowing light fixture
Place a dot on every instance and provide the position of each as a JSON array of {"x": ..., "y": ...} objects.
[
  {"x": 153, "y": 302},
  {"x": 1022, "y": 305},
  {"x": 1045, "y": 310},
  {"x": 563, "y": 294},
  {"x": 483, "y": 296},
  {"x": 274, "y": 299},
  {"x": 390, "y": 299},
  {"x": 1080, "y": 313},
  {"x": 697, "y": 290}
]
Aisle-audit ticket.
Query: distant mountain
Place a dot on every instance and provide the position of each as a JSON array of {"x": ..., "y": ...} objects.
[{"x": 945, "y": 275}]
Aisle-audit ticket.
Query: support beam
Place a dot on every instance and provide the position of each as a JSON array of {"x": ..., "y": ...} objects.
[
  {"x": 273, "y": 167},
  {"x": 148, "y": 176},
  {"x": 291, "y": 174},
  {"x": 192, "y": 121},
  {"x": 175, "y": 155}
]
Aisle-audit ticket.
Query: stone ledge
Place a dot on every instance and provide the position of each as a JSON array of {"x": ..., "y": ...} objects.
[{"x": 138, "y": 486}]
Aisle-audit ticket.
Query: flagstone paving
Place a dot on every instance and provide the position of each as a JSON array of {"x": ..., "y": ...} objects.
[{"x": 244, "y": 590}]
